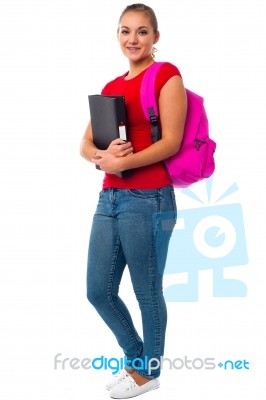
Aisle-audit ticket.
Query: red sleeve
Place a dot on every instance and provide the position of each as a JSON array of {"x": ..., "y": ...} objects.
[
  {"x": 111, "y": 86},
  {"x": 166, "y": 72},
  {"x": 106, "y": 89}
]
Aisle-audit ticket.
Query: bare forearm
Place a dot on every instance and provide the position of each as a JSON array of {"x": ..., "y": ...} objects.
[
  {"x": 87, "y": 149},
  {"x": 159, "y": 151}
]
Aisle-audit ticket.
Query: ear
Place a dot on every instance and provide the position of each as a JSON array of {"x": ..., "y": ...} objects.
[{"x": 156, "y": 37}]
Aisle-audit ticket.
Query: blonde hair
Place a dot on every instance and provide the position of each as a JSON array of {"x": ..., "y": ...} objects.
[{"x": 139, "y": 7}]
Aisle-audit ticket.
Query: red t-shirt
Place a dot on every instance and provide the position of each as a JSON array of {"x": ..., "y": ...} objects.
[{"x": 139, "y": 130}]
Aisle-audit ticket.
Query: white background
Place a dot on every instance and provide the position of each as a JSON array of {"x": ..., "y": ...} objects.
[{"x": 53, "y": 54}]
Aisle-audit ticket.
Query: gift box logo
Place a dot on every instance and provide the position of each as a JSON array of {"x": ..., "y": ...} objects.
[{"x": 210, "y": 237}]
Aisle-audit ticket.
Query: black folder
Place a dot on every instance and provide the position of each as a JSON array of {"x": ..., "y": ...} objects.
[{"x": 108, "y": 121}]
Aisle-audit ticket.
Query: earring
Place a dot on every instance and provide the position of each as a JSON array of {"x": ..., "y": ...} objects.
[{"x": 154, "y": 50}]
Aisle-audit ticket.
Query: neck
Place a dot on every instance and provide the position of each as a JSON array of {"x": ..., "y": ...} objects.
[{"x": 137, "y": 67}]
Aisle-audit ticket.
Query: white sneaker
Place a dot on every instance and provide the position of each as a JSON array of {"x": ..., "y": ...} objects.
[
  {"x": 117, "y": 379},
  {"x": 128, "y": 388}
]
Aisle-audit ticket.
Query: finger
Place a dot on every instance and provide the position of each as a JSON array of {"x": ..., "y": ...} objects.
[
  {"x": 128, "y": 151},
  {"x": 95, "y": 160},
  {"x": 99, "y": 154},
  {"x": 125, "y": 146},
  {"x": 117, "y": 141}
]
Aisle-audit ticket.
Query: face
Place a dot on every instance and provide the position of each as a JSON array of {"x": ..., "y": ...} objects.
[{"x": 136, "y": 36}]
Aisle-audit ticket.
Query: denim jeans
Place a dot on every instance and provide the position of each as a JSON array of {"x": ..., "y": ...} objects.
[{"x": 133, "y": 228}]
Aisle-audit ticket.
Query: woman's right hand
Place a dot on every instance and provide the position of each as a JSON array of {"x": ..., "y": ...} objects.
[{"x": 120, "y": 148}]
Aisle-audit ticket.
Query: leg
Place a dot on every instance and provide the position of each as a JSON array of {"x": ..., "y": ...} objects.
[
  {"x": 145, "y": 226},
  {"x": 106, "y": 263}
]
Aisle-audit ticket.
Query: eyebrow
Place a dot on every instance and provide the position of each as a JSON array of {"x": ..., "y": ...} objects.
[{"x": 141, "y": 27}]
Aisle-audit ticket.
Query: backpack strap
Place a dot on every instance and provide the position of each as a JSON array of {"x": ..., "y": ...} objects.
[{"x": 148, "y": 98}]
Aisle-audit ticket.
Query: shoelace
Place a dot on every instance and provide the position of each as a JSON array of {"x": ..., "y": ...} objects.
[
  {"x": 128, "y": 383},
  {"x": 121, "y": 375}
]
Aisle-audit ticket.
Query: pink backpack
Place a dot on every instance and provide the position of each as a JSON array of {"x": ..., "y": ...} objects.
[{"x": 195, "y": 158}]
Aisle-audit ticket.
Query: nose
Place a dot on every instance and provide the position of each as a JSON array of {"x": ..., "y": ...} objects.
[{"x": 133, "y": 39}]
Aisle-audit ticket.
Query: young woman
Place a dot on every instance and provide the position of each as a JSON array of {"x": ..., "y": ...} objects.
[{"x": 128, "y": 226}]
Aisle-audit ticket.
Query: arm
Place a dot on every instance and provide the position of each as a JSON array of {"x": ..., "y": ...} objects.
[
  {"x": 87, "y": 147},
  {"x": 173, "y": 108}
]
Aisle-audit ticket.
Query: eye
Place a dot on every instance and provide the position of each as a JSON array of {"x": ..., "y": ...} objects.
[
  {"x": 124, "y": 32},
  {"x": 143, "y": 33}
]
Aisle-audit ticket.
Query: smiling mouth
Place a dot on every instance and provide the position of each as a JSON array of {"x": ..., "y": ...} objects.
[{"x": 133, "y": 48}]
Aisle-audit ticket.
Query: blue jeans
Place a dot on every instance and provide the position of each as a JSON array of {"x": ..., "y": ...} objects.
[{"x": 132, "y": 227}]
